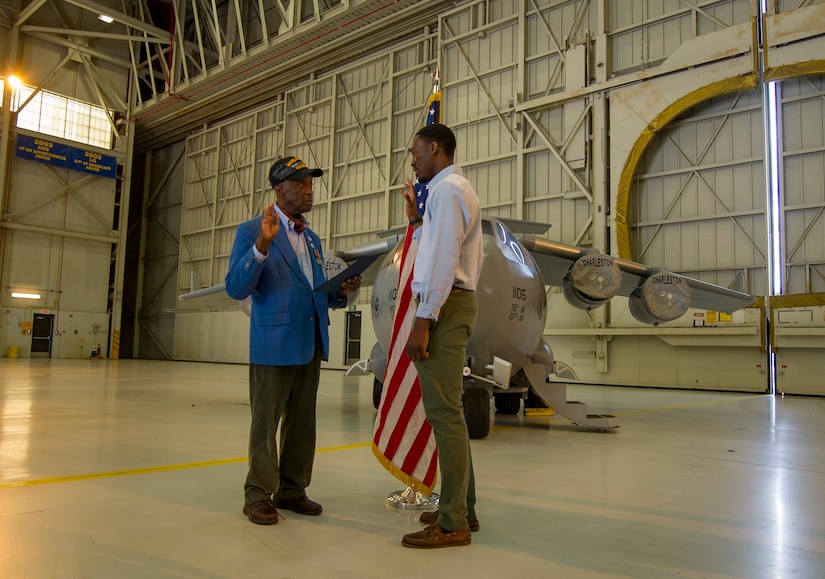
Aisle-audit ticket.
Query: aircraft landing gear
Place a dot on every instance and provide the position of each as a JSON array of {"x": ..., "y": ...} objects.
[
  {"x": 377, "y": 387},
  {"x": 477, "y": 412},
  {"x": 507, "y": 403}
]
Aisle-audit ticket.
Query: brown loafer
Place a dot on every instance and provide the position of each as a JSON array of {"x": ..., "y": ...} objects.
[
  {"x": 261, "y": 513},
  {"x": 434, "y": 537},
  {"x": 301, "y": 505},
  {"x": 431, "y": 518}
]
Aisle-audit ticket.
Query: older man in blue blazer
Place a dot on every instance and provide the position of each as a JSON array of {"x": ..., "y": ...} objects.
[{"x": 279, "y": 261}]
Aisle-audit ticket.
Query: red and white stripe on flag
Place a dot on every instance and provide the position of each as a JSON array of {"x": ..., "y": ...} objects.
[{"x": 403, "y": 441}]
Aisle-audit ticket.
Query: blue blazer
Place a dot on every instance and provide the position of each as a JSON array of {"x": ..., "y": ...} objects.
[{"x": 285, "y": 309}]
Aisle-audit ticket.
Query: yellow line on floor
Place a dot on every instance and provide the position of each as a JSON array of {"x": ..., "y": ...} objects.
[
  {"x": 208, "y": 463},
  {"x": 151, "y": 469},
  {"x": 343, "y": 447}
]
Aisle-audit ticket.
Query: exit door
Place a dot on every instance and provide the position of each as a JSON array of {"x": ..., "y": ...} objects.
[{"x": 42, "y": 335}]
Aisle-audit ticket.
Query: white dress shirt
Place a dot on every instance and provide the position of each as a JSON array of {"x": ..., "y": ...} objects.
[{"x": 450, "y": 251}]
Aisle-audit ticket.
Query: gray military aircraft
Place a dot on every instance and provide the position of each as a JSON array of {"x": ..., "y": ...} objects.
[{"x": 507, "y": 357}]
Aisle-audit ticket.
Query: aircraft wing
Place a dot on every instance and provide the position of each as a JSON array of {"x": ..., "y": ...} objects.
[
  {"x": 352, "y": 254},
  {"x": 210, "y": 298},
  {"x": 215, "y": 297},
  {"x": 555, "y": 260}
]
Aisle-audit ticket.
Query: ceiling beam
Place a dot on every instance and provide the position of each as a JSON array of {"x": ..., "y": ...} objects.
[{"x": 129, "y": 21}]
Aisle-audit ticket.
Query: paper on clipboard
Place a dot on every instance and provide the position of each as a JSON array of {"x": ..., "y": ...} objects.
[{"x": 357, "y": 268}]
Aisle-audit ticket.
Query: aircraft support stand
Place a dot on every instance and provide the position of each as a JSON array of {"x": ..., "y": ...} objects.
[{"x": 554, "y": 394}]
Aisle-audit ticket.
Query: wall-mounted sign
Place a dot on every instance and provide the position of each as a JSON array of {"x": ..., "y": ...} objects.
[
  {"x": 59, "y": 155},
  {"x": 91, "y": 162},
  {"x": 43, "y": 150}
]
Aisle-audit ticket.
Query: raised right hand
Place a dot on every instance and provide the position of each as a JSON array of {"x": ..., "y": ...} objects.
[
  {"x": 270, "y": 225},
  {"x": 408, "y": 192}
]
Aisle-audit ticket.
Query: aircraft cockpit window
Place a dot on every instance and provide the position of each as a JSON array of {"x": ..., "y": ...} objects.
[
  {"x": 395, "y": 254},
  {"x": 517, "y": 250},
  {"x": 501, "y": 233},
  {"x": 506, "y": 241}
]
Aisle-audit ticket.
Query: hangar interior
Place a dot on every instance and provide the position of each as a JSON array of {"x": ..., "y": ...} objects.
[{"x": 685, "y": 135}]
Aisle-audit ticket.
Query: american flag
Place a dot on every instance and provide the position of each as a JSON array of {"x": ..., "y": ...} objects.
[
  {"x": 433, "y": 116},
  {"x": 403, "y": 440}
]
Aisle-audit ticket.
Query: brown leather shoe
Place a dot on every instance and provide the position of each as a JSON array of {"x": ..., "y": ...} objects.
[
  {"x": 431, "y": 518},
  {"x": 434, "y": 537},
  {"x": 261, "y": 513},
  {"x": 301, "y": 505}
]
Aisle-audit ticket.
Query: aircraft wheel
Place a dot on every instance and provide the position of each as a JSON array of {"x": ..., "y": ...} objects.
[
  {"x": 377, "y": 387},
  {"x": 507, "y": 403},
  {"x": 477, "y": 412}
]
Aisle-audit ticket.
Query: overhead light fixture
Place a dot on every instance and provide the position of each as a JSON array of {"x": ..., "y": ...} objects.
[
  {"x": 25, "y": 296},
  {"x": 15, "y": 83},
  {"x": 105, "y": 18}
]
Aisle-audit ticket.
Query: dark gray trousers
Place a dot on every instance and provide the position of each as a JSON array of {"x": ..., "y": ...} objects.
[{"x": 285, "y": 395}]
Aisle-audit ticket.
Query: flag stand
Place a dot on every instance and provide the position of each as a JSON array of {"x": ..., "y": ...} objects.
[{"x": 412, "y": 499}]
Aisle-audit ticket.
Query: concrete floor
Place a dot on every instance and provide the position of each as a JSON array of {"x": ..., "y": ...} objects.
[{"x": 135, "y": 469}]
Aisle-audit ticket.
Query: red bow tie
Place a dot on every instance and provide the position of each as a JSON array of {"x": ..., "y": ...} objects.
[{"x": 297, "y": 224}]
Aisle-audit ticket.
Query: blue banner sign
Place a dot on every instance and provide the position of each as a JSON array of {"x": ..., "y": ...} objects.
[
  {"x": 49, "y": 152},
  {"x": 59, "y": 155},
  {"x": 91, "y": 162}
]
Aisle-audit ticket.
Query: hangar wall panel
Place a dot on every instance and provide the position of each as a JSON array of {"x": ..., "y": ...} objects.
[
  {"x": 528, "y": 88},
  {"x": 59, "y": 245},
  {"x": 803, "y": 173},
  {"x": 799, "y": 338},
  {"x": 153, "y": 272},
  {"x": 699, "y": 196},
  {"x": 645, "y": 32}
]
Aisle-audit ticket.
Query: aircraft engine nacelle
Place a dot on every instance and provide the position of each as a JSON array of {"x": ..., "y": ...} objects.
[
  {"x": 333, "y": 264},
  {"x": 591, "y": 281},
  {"x": 661, "y": 298}
]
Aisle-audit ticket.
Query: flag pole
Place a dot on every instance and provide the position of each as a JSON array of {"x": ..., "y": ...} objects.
[{"x": 410, "y": 498}]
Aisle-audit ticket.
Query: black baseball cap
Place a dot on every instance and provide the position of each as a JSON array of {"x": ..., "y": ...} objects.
[{"x": 292, "y": 169}]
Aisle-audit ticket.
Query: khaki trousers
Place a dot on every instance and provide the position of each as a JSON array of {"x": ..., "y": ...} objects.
[{"x": 441, "y": 377}]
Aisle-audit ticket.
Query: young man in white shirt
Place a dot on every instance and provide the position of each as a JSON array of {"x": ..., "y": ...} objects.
[{"x": 446, "y": 272}]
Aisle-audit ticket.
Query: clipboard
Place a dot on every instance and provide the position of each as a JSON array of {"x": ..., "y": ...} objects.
[{"x": 357, "y": 268}]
